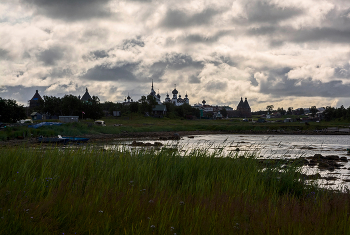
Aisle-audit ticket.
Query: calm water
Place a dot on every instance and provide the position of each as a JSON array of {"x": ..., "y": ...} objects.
[{"x": 269, "y": 146}]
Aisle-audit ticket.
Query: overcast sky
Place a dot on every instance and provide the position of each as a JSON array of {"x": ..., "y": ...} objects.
[{"x": 276, "y": 52}]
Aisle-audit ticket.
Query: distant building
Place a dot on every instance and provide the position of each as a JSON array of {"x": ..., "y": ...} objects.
[
  {"x": 156, "y": 96},
  {"x": 178, "y": 101},
  {"x": 86, "y": 97},
  {"x": 35, "y": 101},
  {"x": 67, "y": 119},
  {"x": 36, "y": 116},
  {"x": 128, "y": 100},
  {"x": 159, "y": 111},
  {"x": 243, "y": 108}
]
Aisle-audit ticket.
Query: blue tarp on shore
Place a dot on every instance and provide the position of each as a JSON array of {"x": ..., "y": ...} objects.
[{"x": 45, "y": 124}]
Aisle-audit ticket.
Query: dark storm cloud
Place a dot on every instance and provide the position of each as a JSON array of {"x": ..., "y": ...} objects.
[
  {"x": 342, "y": 72},
  {"x": 216, "y": 86},
  {"x": 179, "y": 19},
  {"x": 128, "y": 43},
  {"x": 175, "y": 62},
  {"x": 199, "y": 38},
  {"x": 279, "y": 35},
  {"x": 51, "y": 55},
  {"x": 99, "y": 54},
  {"x": 253, "y": 81},
  {"x": 264, "y": 12},
  {"x": 20, "y": 73},
  {"x": 224, "y": 60},
  {"x": 322, "y": 34},
  {"x": 279, "y": 85},
  {"x": 70, "y": 10},
  {"x": 194, "y": 79},
  {"x": 122, "y": 72},
  {"x": 3, "y": 54},
  {"x": 335, "y": 28},
  {"x": 60, "y": 72}
]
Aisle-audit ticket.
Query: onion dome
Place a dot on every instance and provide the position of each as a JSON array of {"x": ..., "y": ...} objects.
[
  {"x": 175, "y": 92},
  {"x": 128, "y": 97},
  {"x": 158, "y": 96}
]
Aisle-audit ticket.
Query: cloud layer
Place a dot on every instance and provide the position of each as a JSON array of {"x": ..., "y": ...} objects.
[{"x": 272, "y": 52}]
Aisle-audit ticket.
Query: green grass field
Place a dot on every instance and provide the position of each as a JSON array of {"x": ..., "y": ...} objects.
[{"x": 91, "y": 191}]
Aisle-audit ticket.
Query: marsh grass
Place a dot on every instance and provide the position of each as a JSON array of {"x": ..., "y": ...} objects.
[{"x": 94, "y": 191}]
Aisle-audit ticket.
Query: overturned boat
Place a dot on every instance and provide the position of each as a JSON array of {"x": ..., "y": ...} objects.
[
  {"x": 54, "y": 140},
  {"x": 76, "y": 139},
  {"x": 63, "y": 140}
]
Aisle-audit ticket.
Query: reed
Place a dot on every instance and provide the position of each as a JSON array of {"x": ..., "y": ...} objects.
[{"x": 92, "y": 191}]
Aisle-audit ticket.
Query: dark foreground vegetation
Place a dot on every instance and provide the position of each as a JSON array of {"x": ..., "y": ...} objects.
[{"x": 93, "y": 191}]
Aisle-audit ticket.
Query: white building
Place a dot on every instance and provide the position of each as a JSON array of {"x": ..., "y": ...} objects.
[{"x": 178, "y": 101}]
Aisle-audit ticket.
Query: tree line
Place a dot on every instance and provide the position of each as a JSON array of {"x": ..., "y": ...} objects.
[
  {"x": 339, "y": 114},
  {"x": 70, "y": 105},
  {"x": 146, "y": 104},
  {"x": 10, "y": 111},
  {"x": 290, "y": 111}
]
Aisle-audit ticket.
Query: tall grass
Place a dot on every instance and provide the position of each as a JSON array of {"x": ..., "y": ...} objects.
[{"x": 92, "y": 191}]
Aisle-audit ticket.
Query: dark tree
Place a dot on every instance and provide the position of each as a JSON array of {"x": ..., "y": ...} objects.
[
  {"x": 134, "y": 107},
  {"x": 269, "y": 108},
  {"x": 223, "y": 112},
  {"x": 71, "y": 105},
  {"x": 281, "y": 111},
  {"x": 329, "y": 113},
  {"x": 151, "y": 100},
  {"x": 52, "y": 105},
  {"x": 301, "y": 111},
  {"x": 10, "y": 111},
  {"x": 313, "y": 111},
  {"x": 185, "y": 110},
  {"x": 170, "y": 107},
  {"x": 110, "y": 107},
  {"x": 92, "y": 108}
]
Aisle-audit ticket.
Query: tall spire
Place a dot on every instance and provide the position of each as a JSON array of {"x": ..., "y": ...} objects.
[{"x": 152, "y": 84}]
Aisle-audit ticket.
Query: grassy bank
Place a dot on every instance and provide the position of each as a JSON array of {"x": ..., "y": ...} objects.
[
  {"x": 77, "y": 191},
  {"x": 135, "y": 124}
]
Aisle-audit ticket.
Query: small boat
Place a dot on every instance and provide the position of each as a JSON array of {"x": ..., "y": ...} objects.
[
  {"x": 76, "y": 139},
  {"x": 54, "y": 140}
]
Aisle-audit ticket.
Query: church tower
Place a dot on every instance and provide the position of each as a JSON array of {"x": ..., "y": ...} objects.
[{"x": 174, "y": 99}]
